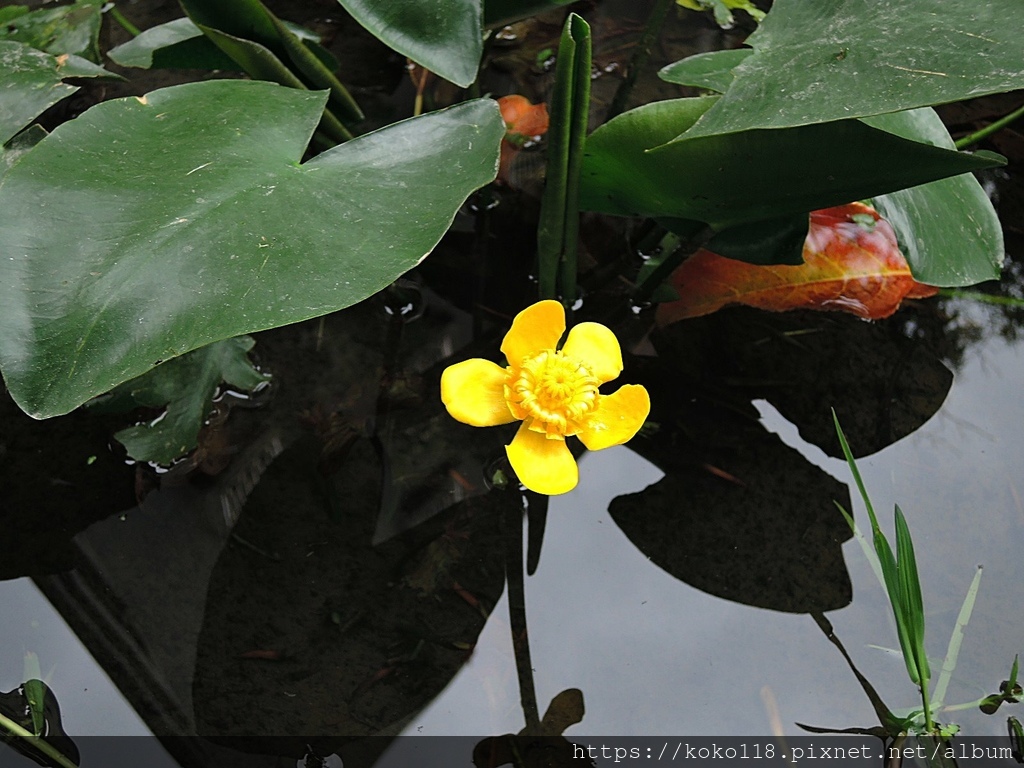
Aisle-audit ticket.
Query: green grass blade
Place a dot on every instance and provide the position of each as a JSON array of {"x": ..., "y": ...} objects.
[
  {"x": 890, "y": 572},
  {"x": 910, "y": 594},
  {"x": 892, "y": 586},
  {"x": 869, "y": 553},
  {"x": 955, "y": 641},
  {"x": 856, "y": 473}
]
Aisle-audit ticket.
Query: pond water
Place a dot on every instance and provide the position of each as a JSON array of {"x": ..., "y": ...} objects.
[{"x": 333, "y": 567}]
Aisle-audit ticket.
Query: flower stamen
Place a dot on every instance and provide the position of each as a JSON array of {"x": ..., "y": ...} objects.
[{"x": 553, "y": 391}]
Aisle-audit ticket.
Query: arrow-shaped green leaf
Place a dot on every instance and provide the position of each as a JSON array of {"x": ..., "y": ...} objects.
[{"x": 149, "y": 227}]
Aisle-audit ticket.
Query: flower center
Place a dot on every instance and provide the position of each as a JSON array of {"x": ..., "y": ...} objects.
[{"x": 554, "y": 390}]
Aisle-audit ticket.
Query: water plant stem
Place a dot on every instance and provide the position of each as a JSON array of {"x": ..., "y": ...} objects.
[
  {"x": 119, "y": 17},
  {"x": 982, "y": 298},
  {"x": 558, "y": 229},
  {"x": 988, "y": 130},
  {"x": 641, "y": 53},
  {"x": 36, "y": 741},
  {"x": 512, "y": 520}
]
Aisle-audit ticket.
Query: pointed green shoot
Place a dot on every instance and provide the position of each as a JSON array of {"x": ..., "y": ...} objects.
[
  {"x": 899, "y": 576},
  {"x": 558, "y": 230},
  {"x": 910, "y": 595}
]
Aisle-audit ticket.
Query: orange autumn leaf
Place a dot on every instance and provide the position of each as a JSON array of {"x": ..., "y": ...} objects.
[
  {"x": 523, "y": 120},
  {"x": 851, "y": 263}
]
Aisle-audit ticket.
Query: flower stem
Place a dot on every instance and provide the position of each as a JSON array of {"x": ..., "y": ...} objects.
[
  {"x": 36, "y": 741},
  {"x": 119, "y": 17},
  {"x": 512, "y": 520},
  {"x": 988, "y": 130},
  {"x": 641, "y": 53}
]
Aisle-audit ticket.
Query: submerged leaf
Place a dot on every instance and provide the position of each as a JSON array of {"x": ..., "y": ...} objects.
[
  {"x": 523, "y": 120},
  {"x": 851, "y": 263},
  {"x": 186, "y": 386}
]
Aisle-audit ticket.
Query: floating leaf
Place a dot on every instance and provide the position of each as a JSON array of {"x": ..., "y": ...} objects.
[
  {"x": 150, "y": 227},
  {"x": 836, "y": 59},
  {"x": 445, "y": 36},
  {"x": 851, "y": 263},
  {"x": 186, "y": 386}
]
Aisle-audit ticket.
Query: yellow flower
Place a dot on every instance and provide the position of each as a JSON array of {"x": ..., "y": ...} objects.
[{"x": 554, "y": 392}]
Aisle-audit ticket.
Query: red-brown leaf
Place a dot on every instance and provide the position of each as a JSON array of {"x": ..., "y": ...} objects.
[{"x": 847, "y": 266}]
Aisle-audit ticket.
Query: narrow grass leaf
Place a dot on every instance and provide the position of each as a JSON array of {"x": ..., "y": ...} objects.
[
  {"x": 856, "y": 474},
  {"x": 910, "y": 594},
  {"x": 869, "y": 553},
  {"x": 955, "y": 641}
]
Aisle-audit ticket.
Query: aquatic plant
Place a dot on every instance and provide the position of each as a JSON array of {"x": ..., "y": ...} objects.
[
  {"x": 132, "y": 220},
  {"x": 898, "y": 574}
]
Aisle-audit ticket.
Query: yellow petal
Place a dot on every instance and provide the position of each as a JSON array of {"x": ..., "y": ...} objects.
[
  {"x": 473, "y": 392},
  {"x": 617, "y": 418},
  {"x": 596, "y": 346},
  {"x": 543, "y": 465},
  {"x": 536, "y": 328}
]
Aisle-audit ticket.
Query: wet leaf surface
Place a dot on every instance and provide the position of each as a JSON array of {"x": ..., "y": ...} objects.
[
  {"x": 187, "y": 229},
  {"x": 445, "y": 36},
  {"x": 833, "y": 60},
  {"x": 636, "y": 166},
  {"x": 33, "y": 82}
]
